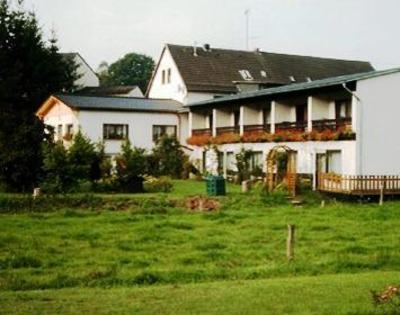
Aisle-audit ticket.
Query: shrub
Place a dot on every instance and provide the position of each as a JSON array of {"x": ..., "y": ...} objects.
[
  {"x": 243, "y": 165},
  {"x": 168, "y": 158},
  {"x": 58, "y": 176},
  {"x": 131, "y": 167},
  {"x": 162, "y": 184}
]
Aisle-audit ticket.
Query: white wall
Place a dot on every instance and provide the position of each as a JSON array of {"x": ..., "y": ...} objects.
[
  {"x": 223, "y": 118},
  {"x": 321, "y": 108},
  {"x": 88, "y": 77},
  {"x": 61, "y": 114},
  {"x": 251, "y": 115},
  {"x": 140, "y": 126},
  {"x": 284, "y": 112},
  {"x": 377, "y": 125},
  {"x": 175, "y": 90}
]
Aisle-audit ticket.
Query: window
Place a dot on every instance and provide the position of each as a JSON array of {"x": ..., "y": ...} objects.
[
  {"x": 169, "y": 75},
  {"x": 166, "y": 76},
  {"x": 334, "y": 162},
  {"x": 256, "y": 160},
  {"x": 163, "y": 130},
  {"x": 70, "y": 129},
  {"x": 115, "y": 132},
  {"x": 343, "y": 109},
  {"x": 246, "y": 75},
  {"x": 163, "y": 77},
  {"x": 230, "y": 161},
  {"x": 59, "y": 131}
]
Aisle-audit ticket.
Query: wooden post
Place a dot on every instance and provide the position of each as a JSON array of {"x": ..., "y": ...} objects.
[
  {"x": 290, "y": 242},
  {"x": 36, "y": 193},
  {"x": 381, "y": 195},
  {"x": 245, "y": 186}
]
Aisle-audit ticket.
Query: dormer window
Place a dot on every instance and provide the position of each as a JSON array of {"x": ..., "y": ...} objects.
[{"x": 246, "y": 75}]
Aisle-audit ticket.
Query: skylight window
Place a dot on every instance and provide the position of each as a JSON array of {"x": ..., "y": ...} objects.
[
  {"x": 292, "y": 79},
  {"x": 246, "y": 75},
  {"x": 308, "y": 79},
  {"x": 263, "y": 73}
]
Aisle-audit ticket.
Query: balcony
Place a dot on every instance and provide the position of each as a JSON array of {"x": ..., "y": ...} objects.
[
  {"x": 257, "y": 128},
  {"x": 331, "y": 124},
  {"x": 297, "y": 126},
  {"x": 229, "y": 129},
  {"x": 202, "y": 132}
]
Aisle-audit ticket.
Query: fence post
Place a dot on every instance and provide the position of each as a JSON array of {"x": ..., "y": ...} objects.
[
  {"x": 290, "y": 242},
  {"x": 382, "y": 190}
]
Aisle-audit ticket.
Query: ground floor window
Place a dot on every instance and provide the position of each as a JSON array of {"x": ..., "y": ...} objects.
[
  {"x": 230, "y": 161},
  {"x": 115, "y": 131},
  {"x": 256, "y": 161},
  {"x": 334, "y": 161},
  {"x": 163, "y": 130}
]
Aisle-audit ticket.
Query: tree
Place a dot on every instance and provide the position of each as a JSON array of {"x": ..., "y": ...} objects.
[
  {"x": 30, "y": 70},
  {"x": 132, "y": 69}
]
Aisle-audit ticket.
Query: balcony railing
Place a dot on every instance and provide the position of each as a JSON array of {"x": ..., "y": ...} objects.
[
  {"x": 201, "y": 132},
  {"x": 257, "y": 128},
  {"x": 291, "y": 126},
  {"x": 230, "y": 129},
  {"x": 332, "y": 124}
]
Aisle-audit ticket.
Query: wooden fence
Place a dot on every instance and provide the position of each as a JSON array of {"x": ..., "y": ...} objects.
[{"x": 358, "y": 184}]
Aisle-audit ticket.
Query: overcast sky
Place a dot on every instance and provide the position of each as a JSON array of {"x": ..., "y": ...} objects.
[{"x": 107, "y": 29}]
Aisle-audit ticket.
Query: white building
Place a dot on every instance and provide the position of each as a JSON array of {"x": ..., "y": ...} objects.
[
  {"x": 87, "y": 77},
  {"x": 111, "y": 119},
  {"x": 342, "y": 125},
  {"x": 190, "y": 74}
]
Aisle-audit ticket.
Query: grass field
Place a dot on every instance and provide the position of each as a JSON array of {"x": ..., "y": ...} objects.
[{"x": 156, "y": 256}]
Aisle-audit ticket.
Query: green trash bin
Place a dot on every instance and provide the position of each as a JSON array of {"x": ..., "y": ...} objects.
[{"x": 215, "y": 186}]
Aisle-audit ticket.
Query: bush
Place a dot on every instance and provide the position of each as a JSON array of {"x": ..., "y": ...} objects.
[
  {"x": 163, "y": 184},
  {"x": 168, "y": 158},
  {"x": 131, "y": 166}
]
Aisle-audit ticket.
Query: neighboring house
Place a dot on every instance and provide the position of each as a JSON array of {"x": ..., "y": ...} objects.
[
  {"x": 190, "y": 74},
  {"x": 121, "y": 90},
  {"x": 111, "y": 119},
  {"x": 344, "y": 125},
  {"x": 87, "y": 77}
]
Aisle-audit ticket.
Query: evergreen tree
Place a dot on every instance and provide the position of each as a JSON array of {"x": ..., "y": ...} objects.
[{"x": 30, "y": 70}]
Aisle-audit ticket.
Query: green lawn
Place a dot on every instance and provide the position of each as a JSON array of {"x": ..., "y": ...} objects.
[
  {"x": 329, "y": 294},
  {"x": 147, "y": 256}
]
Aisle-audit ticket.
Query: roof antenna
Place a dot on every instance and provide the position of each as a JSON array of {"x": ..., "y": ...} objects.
[
  {"x": 247, "y": 14},
  {"x": 195, "y": 49}
]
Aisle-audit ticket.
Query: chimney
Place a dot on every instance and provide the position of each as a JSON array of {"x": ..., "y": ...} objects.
[
  {"x": 257, "y": 51},
  {"x": 195, "y": 49},
  {"x": 207, "y": 47}
]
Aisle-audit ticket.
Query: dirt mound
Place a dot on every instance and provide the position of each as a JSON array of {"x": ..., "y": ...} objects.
[{"x": 199, "y": 203}]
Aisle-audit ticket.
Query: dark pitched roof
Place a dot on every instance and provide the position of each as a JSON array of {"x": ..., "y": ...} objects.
[
  {"x": 119, "y": 103},
  {"x": 297, "y": 87},
  {"x": 106, "y": 90},
  {"x": 217, "y": 70}
]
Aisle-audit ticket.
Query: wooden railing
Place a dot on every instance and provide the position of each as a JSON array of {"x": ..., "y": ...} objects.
[
  {"x": 199, "y": 132},
  {"x": 289, "y": 125},
  {"x": 358, "y": 184},
  {"x": 229, "y": 129},
  {"x": 259, "y": 128},
  {"x": 332, "y": 124}
]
